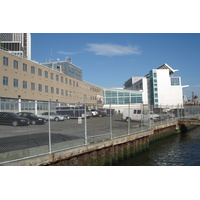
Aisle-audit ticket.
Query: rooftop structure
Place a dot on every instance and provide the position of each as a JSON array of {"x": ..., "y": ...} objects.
[
  {"x": 65, "y": 67},
  {"x": 18, "y": 44}
]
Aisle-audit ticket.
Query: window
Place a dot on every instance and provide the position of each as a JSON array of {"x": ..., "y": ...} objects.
[
  {"x": 51, "y": 76},
  {"x": 46, "y": 74},
  {"x": 32, "y": 86},
  {"x": 40, "y": 87},
  {"x": 46, "y": 88},
  {"x": 66, "y": 92},
  {"x": 57, "y": 77},
  {"x": 15, "y": 83},
  {"x": 5, "y": 61},
  {"x": 57, "y": 90},
  {"x": 61, "y": 79},
  {"x": 15, "y": 64},
  {"x": 39, "y": 72},
  {"x": 66, "y": 80},
  {"x": 52, "y": 90},
  {"x": 62, "y": 92},
  {"x": 5, "y": 80},
  {"x": 110, "y": 93},
  {"x": 24, "y": 67},
  {"x": 32, "y": 70},
  {"x": 24, "y": 84},
  {"x": 175, "y": 81}
]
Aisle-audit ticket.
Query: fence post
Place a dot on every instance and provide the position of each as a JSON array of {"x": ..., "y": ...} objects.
[
  {"x": 110, "y": 122},
  {"x": 148, "y": 117},
  {"x": 178, "y": 112},
  {"x": 167, "y": 113},
  {"x": 161, "y": 114},
  {"x": 129, "y": 119},
  {"x": 85, "y": 120},
  {"x": 181, "y": 111},
  {"x": 49, "y": 121},
  {"x": 142, "y": 117},
  {"x": 19, "y": 105},
  {"x": 151, "y": 120},
  {"x": 36, "y": 107}
]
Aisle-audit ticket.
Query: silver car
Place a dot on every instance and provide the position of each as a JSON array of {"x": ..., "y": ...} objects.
[{"x": 53, "y": 116}]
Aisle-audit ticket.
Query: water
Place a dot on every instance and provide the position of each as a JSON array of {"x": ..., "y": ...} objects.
[{"x": 176, "y": 150}]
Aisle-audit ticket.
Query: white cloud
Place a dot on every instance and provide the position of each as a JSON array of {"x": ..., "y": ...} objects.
[
  {"x": 112, "y": 49},
  {"x": 66, "y": 53}
]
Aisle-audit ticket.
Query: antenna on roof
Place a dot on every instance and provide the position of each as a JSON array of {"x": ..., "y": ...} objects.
[{"x": 51, "y": 56}]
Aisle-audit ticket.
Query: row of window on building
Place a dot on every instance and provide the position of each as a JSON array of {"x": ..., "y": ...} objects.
[
  {"x": 46, "y": 75},
  {"x": 122, "y": 97},
  {"x": 46, "y": 88}
]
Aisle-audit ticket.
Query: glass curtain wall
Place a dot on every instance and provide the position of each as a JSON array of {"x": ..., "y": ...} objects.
[{"x": 122, "y": 97}]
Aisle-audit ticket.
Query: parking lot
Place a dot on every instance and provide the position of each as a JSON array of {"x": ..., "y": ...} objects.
[{"x": 22, "y": 137}]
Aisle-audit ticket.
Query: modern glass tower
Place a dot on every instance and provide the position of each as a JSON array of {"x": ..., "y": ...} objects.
[{"x": 18, "y": 44}]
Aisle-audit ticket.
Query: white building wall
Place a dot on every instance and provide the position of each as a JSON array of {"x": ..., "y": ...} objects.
[
  {"x": 29, "y": 46},
  {"x": 167, "y": 94},
  {"x": 145, "y": 91}
]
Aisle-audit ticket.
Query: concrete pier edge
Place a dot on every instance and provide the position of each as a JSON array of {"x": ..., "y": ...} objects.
[{"x": 103, "y": 153}]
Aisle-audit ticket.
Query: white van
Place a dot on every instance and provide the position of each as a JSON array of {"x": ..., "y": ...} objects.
[{"x": 138, "y": 114}]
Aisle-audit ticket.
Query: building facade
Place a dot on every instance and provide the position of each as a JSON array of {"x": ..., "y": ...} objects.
[
  {"x": 65, "y": 67},
  {"x": 16, "y": 43},
  {"x": 160, "y": 87},
  {"x": 138, "y": 84},
  {"x": 24, "y": 79},
  {"x": 121, "y": 98}
]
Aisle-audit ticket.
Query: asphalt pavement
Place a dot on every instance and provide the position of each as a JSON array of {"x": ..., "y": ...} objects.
[{"x": 24, "y": 137}]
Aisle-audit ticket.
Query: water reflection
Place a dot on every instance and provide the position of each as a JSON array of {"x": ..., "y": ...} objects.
[{"x": 176, "y": 150}]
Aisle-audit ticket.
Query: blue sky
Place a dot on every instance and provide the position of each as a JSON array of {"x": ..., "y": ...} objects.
[{"x": 109, "y": 59}]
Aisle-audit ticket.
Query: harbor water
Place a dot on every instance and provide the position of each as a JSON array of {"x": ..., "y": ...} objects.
[{"x": 176, "y": 150}]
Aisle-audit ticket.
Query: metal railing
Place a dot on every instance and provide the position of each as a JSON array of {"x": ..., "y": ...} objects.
[{"x": 83, "y": 128}]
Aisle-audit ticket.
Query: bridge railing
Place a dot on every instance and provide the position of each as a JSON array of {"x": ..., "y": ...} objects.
[{"x": 81, "y": 126}]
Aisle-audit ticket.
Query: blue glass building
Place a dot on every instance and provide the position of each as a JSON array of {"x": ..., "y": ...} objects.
[{"x": 121, "y": 96}]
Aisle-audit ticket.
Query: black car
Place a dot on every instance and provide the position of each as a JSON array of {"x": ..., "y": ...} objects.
[
  {"x": 9, "y": 118},
  {"x": 33, "y": 118},
  {"x": 102, "y": 112}
]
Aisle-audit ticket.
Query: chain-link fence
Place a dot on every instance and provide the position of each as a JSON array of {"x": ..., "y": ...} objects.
[{"x": 29, "y": 129}]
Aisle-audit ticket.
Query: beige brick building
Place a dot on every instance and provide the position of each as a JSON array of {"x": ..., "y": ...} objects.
[{"x": 28, "y": 80}]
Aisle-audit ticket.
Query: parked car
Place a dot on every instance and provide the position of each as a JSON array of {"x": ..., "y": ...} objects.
[
  {"x": 88, "y": 114},
  {"x": 53, "y": 116},
  {"x": 138, "y": 115},
  {"x": 34, "y": 119},
  {"x": 9, "y": 118},
  {"x": 94, "y": 113},
  {"x": 102, "y": 112}
]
